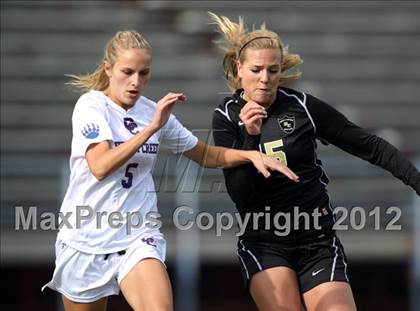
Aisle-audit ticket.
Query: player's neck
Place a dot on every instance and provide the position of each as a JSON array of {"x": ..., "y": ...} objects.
[{"x": 266, "y": 105}]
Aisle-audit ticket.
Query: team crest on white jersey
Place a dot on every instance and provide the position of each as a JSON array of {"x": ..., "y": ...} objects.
[
  {"x": 287, "y": 123},
  {"x": 130, "y": 125}
]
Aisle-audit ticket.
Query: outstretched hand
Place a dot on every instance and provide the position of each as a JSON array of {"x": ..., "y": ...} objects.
[
  {"x": 264, "y": 163},
  {"x": 164, "y": 109}
]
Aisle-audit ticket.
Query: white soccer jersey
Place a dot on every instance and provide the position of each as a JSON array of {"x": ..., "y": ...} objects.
[{"x": 130, "y": 189}]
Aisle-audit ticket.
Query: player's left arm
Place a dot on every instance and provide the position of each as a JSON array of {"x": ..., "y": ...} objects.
[{"x": 335, "y": 128}]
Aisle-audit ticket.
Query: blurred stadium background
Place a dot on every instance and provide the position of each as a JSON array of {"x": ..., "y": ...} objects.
[{"x": 366, "y": 50}]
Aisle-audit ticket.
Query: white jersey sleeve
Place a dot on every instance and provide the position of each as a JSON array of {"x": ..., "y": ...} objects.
[
  {"x": 90, "y": 124},
  {"x": 176, "y": 137}
]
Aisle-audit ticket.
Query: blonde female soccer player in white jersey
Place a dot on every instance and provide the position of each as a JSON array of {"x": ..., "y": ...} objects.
[{"x": 116, "y": 136}]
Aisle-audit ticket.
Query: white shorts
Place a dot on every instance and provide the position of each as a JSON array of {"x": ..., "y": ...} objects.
[{"x": 84, "y": 277}]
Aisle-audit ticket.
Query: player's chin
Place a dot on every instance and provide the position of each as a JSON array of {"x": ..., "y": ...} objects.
[
  {"x": 130, "y": 100},
  {"x": 263, "y": 100}
]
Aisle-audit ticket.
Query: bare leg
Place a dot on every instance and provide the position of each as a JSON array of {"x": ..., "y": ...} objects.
[
  {"x": 99, "y": 305},
  {"x": 330, "y": 296},
  {"x": 147, "y": 287},
  {"x": 276, "y": 289}
]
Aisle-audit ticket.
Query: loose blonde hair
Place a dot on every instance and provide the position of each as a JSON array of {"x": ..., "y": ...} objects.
[
  {"x": 98, "y": 80},
  {"x": 238, "y": 39}
]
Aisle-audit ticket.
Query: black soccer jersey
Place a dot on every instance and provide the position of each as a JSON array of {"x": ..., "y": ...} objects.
[{"x": 295, "y": 120}]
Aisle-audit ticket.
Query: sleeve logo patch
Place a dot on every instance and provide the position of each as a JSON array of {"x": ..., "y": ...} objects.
[{"x": 91, "y": 131}]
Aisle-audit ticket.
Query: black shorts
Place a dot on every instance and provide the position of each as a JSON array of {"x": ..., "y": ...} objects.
[{"x": 317, "y": 262}]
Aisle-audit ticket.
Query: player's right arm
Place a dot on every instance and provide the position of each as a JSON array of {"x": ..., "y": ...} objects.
[
  {"x": 241, "y": 180},
  {"x": 103, "y": 160}
]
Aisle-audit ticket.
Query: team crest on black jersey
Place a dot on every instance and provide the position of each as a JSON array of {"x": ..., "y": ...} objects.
[
  {"x": 130, "y": 125},
  {"x": 287, "y": 124}
]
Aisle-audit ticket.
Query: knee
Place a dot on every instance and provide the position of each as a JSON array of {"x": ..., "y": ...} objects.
[
  {"x": 154, "y": 307},
  {"x": 160, "y": 308}
]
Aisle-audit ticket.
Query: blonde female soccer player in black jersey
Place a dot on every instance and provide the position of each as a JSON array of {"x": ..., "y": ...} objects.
[{"x": 281, "y": 267}]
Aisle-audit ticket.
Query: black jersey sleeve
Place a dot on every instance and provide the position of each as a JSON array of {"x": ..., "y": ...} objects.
[
  {"x": 240, "y": 180},
  {"x": 335, "y": 128}
]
